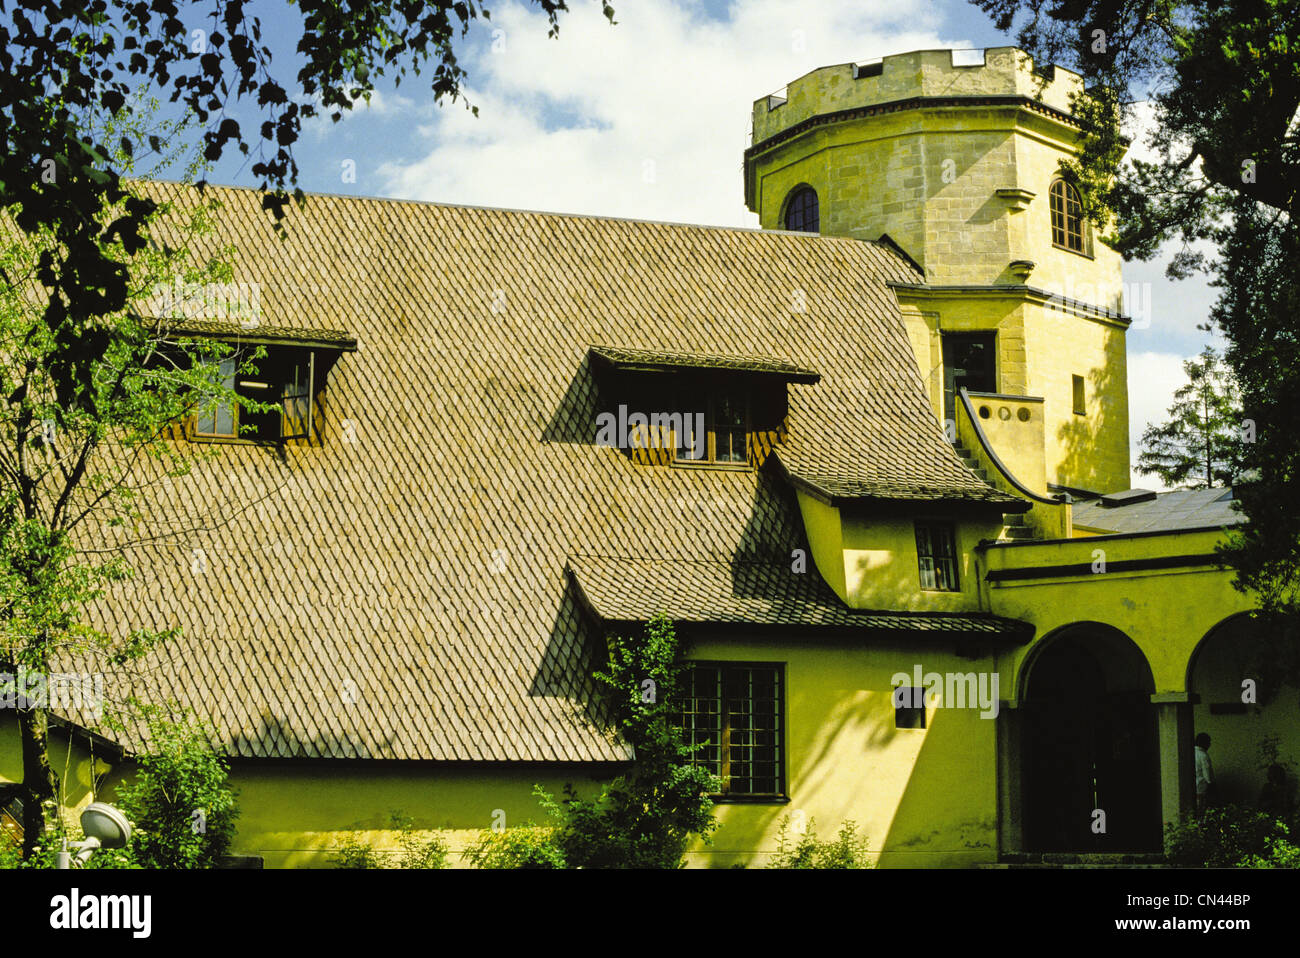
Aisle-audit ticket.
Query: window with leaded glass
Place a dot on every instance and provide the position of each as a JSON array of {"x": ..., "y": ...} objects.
[
  {"x": 936, "y": 551},
  {"x": 734, "y": 713},
  {"x": 1067, "y": 217},
  {"x": 726, "y": 429},
  {"x": 802, "y": 212}
]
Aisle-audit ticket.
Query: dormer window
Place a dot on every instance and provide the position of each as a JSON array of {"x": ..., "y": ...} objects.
[
  {"x": 283, "y": 369},
  {"x": 283, "y": 380},
  {"x": 725, "y": 417},
  {"x": 664, "y": 407}
]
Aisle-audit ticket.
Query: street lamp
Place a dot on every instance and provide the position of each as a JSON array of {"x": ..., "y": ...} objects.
[{"x": 104, "y": 827}]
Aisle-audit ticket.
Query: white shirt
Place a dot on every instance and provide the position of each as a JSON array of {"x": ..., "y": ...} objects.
[{"x": 1204, "y": 770}]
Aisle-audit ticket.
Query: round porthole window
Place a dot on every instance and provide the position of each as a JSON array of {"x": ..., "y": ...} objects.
[
  {"x": 985, "y": 412},
  {"x": 1004, "y": 413},
  {"x": 1023, "y": 414}
]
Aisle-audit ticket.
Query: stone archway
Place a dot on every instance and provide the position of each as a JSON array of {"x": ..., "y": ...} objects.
[
  {"x": 1243, "y": 719},
  {"x": 1089, "y": 744}
]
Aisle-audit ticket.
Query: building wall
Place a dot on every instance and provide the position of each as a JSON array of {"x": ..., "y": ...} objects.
[
  {"x": 868, "y": 555},
  {"x": 922, "y": 797}
]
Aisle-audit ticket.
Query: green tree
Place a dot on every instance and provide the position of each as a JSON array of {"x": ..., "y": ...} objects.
[
  {"x": 644, "y": 818},
  {"x": 179, "y": 801},
  {"x": 1202, "y": 443},
  {"x": 1223, "y": 80},
  {"x": 87, "y": 407},
  {"x": 64, "y": 62}
]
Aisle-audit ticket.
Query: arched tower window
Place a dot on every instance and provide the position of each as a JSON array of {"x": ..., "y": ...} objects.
[
  {"x": 801, "y": 211},
  {"x": 1067, "y": 217}
]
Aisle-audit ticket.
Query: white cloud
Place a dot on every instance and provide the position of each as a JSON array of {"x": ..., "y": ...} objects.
[
  {"x": 1152, "y": 379},
  {"x": 645, "y": 119}
]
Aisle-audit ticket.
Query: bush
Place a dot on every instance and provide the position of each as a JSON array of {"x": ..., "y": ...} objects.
[
  {"x": 523, "y": 846},
  {"x": 1230, "y": 836},
  {"x": 416, "y": 852},
  {"x": 644, "y": 818},
  {"x": 846, "y": 850},
  {"x": 181, "y": 808}
]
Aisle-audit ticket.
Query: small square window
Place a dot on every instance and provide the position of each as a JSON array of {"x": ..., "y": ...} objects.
[
  {"x": 909, "y": 707},
  {"x": 936, "y": 551},
  {"x": 1080, "y": 408}
]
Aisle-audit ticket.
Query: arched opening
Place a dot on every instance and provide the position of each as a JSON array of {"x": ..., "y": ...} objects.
[
  {"x": 1091, "y": 767},
  {"x": 1067, "y": 217},
  {"x": 802, "y": 210},
  {"x": 1249, "y": 712}
]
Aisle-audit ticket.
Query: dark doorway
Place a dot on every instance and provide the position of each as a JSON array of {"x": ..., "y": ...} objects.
[
  {"x": 968, "y": 360},
  {"x": 1090, "y": 743}
]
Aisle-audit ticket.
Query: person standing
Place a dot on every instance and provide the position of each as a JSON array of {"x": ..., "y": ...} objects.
[{"x": 1204, "y": 773}]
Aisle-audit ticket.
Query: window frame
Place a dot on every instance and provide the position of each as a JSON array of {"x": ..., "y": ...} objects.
[
  {"x": 803, "y": 189},
  {"x": 779, "y": 797},
  {"x": 1079, "y": 394},
  {"x": 278, "y": 384},
  {"x": 951, "y": 528},
  {"x": 916, "y": 712},
  {"x": 710, "y": 399},
  {"x": 1061, "y": 209}
]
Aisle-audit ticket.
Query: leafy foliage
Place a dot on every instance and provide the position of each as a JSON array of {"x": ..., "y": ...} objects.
[
  {"x": 57, "y": 167},
  {"x": 180, "y": 805},
  {"x": 644, "y": 818},
  {"x": 520, "y": 846},
  {"x": 846, "y": 850},
  {"x": 1202, "y": 443},
  {"x": 1230, "y": 836},
  {"x": 416, "y": 852}
]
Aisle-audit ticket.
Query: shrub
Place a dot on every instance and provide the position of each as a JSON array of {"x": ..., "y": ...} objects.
[
  {"x": 846, "y": 850},
  {"x": 415, "y": 853},
  {"x": 181, "y": 808},
  {"x": 523, "y": 846},
  {"x": 1227, "y": 837}
]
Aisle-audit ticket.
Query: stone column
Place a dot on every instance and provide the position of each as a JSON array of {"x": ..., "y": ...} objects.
[
  {"x": 1011, "y": 789},
  {"x": 1174, "y": 723}
]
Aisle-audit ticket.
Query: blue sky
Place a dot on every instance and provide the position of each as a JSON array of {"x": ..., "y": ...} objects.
[{"x": 648, "y": 119}]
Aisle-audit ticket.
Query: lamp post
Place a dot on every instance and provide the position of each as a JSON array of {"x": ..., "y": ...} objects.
[{"x": 104, "y": 827}]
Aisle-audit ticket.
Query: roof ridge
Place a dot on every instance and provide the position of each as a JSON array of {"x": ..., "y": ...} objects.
[{"x": 442, "y": 204}]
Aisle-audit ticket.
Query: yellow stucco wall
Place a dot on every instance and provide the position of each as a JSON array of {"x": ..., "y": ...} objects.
[
  {"x": 920, "y": 796},
  {"x": 1166, "y": 612},
  {"x": 868, "y": 555}
]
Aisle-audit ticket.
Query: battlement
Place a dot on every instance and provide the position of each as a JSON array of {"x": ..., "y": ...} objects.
[{"x": 995, "y": 72}]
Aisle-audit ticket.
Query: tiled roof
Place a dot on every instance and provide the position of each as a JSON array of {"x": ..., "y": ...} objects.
[
  {"x": 621, "y": 358},
  {"x": 839, "y": 474},
  {"x": 338, "y": 338},
  {"x": 749, "y": 592},
  {"x": 1166, "y": 512},
  {"x": 400, "y": 591}
]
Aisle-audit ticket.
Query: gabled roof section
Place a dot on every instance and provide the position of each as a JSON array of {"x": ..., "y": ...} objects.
[
  {"x": 399, "y": 591},
  {"x": 747, "y": 593},
  {"x": 658, "y": 360}
]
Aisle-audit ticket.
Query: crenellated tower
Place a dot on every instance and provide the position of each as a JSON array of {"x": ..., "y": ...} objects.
[{"x": 957, "y": 165}]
